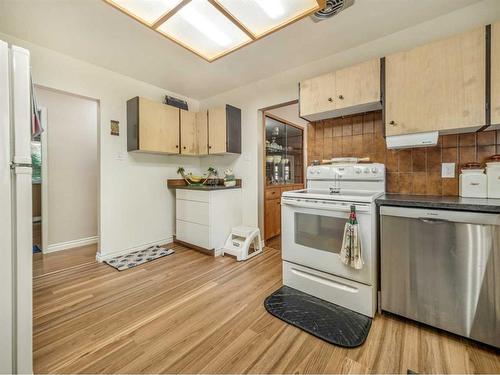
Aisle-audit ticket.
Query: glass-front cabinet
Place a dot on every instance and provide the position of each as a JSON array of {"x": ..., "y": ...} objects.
[{"x": 284, "y": 153}]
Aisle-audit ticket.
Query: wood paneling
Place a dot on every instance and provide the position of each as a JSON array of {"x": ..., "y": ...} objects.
[
  {"x": 437, "y": 86},
  {"x": 410, "y": 171},
  {"x": 358, "y": 84},
  {"x": 191, "y": 313},
  {"x": 217, "y": 132},
  {"x": 495, "y": 73},
  {"x": 318, "y": 94},
  {"x": 158, "y": 127},
  {"x": 189, "y": 142},
  {"x": 202, "y": 132}
]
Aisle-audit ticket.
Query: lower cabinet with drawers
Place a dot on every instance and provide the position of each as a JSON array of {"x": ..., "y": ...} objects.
[
  {"x": 204, "y": 218},
  {"x": 272, "y": 208}
]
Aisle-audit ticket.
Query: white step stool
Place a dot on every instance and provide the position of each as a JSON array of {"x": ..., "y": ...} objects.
[{"x": 239, "y": 241}]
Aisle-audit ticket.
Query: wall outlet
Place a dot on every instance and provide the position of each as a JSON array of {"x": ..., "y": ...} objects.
[{"x": 448, "y": 170}]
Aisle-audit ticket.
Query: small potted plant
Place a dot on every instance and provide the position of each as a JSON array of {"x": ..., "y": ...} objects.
[{"x": 229, "y": 179}]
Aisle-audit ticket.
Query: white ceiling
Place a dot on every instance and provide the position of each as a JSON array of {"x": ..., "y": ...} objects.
[{"x": 93, "y": 31}]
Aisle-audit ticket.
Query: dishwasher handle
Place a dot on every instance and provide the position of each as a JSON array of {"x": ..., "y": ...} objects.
[
  {"x": 433, "y": 221},
  {"x": 440, "y": 215}
]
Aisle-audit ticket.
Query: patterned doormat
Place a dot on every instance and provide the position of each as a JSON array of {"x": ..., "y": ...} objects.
[
  {"x": 124, "y": 262},
  {"x": 332, "y": 323}
]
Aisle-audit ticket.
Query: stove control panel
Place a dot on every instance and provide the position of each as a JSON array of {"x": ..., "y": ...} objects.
[{"x": 346, "y": 172}]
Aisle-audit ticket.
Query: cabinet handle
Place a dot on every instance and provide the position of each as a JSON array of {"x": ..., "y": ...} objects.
[
  {"x": 341, "y": 97},
  {"x": 393, "y": 123},
  {"x": 330, "y": 99}
]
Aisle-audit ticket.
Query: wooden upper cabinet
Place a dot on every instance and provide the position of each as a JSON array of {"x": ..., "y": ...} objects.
[
  {"x": 358, "y": 85},
  {"x": 438, "y": 86},
  {"x": 224, "y": 130},
  {"x": 152, "y": 126},
  {"x": 350, "y": 90},
  {"x": 189, "y": 145},
  {"x": 495, "y": 73},
  {"x": 317, "y": 95},
  {"x": 202, "y": 132}
]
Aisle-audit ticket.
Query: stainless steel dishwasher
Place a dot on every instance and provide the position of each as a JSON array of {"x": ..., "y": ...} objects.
[{"x": 442, "y": 268}]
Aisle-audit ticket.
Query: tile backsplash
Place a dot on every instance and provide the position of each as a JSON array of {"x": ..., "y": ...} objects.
[{"x": 409, "y": 171}]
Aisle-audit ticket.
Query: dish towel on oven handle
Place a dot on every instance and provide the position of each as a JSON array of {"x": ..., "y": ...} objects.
[{"x": 350, "y": 254}]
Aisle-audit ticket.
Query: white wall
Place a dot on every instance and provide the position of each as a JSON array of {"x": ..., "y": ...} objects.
[
  {"x": 290, "y": 113},
  {"x": 283, "y": 88},
  {"x": 72, "y": 166},
  {"x": 136, "y": 208}
]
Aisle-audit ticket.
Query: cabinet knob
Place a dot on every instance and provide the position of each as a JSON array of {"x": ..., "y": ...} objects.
[
  {"x": 176, "y": 146},
  {"x": 341, "y": 97},
  {"x": 209, "y": 146},
  {"x": 393, "y": 123},
  {"x": 330, "y": 99},
  {"x": 184, "y": 147}
]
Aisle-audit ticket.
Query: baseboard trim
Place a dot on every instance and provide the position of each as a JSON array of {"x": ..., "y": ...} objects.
[
  {"x": 102, "y": 257},
  {"x": 71, "y": 244}
]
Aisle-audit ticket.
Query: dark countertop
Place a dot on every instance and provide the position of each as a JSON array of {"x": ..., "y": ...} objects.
[
  {"x": 447, "y": 203},
  {"x": 205, "y": 187}
]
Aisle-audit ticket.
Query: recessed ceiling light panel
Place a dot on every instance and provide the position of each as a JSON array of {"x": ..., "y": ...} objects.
[
  {"x": 205, "y": 30},
  {"x": 264, "y": 16},
  {"x": 214, "y": 28},
  {"x": 147, "y": 11}
]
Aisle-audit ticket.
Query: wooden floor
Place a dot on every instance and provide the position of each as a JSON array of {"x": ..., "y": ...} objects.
[{"x": 191, "y": 313}]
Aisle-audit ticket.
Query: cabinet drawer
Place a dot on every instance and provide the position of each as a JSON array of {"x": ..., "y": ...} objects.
[
  {"x": 192, "y": 233},
  {"x": 273, "y": 193},
  {"x": 192, "y": 211},
  {"x": 192, "y": 195}
]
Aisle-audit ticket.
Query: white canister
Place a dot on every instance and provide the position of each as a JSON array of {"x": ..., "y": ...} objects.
[
  {"x": 473, "y": 183},
  {"x": 493, "y": 173}
]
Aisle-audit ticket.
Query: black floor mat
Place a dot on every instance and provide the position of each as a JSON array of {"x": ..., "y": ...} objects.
[{"x": 332, "y": 323}]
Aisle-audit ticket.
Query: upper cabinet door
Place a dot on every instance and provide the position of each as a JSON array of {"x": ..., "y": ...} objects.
[
  {"x": 158, "y": 127},
  {"x": 317, "y": 95},
  {"x": 438, "y": 86},
  {"x": 202, "y": 132},
  {"x": 188, "y": 133},
  {"x": 358, "y": 85},
  {"x": 217, "y": 134},
  {"x": 495, "y": 73}
]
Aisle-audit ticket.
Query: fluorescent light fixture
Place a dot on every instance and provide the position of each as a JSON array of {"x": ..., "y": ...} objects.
[
  {"x": 261, "y": 17},
  {"x": 147, "y": 10},
  {"x": 214, "y": 28},
  {"x": 273, "y": 8},
  {"x": 205, "y": 26}
]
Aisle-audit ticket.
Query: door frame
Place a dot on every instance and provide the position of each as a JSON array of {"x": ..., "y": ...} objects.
[
  {"x": 265, "y": 112},
  {"x": 45, "y": 179}
]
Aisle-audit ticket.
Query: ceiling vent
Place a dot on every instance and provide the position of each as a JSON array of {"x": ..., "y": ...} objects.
[{"x": 332, "y": 8}]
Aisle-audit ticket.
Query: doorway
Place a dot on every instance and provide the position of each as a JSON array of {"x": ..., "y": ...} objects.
[
  {"x": 284, "y": 162},
  {"x": 65, "y": 172}
]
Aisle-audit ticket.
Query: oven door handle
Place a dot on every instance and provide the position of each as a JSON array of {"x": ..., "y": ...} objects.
[{"x": 325, "y": 206}]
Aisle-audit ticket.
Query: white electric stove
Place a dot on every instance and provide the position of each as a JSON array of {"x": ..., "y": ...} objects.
[{"x": 313, "y": 223}]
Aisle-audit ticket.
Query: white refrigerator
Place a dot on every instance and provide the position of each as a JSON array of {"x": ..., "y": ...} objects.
[{"x": 15, "y": 211}]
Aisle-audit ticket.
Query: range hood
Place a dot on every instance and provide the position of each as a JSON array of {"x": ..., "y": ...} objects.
[{"x": 412, "y": 140}]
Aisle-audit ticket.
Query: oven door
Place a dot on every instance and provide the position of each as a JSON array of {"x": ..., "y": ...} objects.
[{"x": 312, "y": 233}]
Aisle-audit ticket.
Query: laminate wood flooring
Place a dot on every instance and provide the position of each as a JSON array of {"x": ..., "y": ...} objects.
[{"x": 192, "y": 313}]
